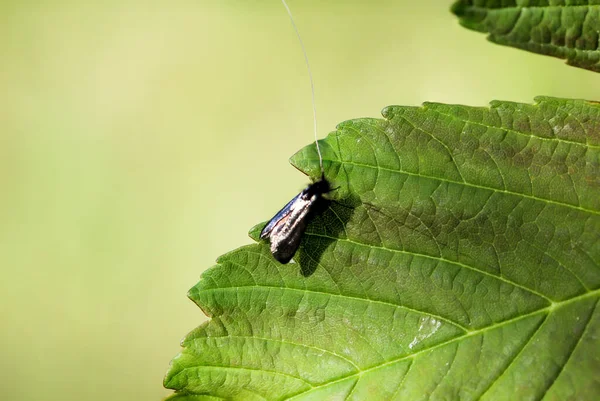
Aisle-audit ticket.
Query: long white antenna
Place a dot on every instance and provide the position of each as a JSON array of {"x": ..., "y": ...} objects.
[{"x": 312, "y": 84}]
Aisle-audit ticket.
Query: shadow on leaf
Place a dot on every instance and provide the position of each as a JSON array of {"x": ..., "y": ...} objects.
[{"x": 328, "y": 224}]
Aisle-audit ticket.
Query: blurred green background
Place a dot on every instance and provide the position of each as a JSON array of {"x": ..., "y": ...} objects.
[{"x": 140, "y": 140}]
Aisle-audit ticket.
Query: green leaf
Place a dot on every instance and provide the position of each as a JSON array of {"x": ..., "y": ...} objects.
[
  {"x": 567, "y": 29},
  {"x": 459, "y": 260}
]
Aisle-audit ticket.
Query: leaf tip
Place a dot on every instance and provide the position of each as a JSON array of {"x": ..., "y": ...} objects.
[{"x": 307, "y": 160}]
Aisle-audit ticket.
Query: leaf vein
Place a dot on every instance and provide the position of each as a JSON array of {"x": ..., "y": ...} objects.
[
  {"x": 572, "y": 350},
  {"x": 449, "y": 181},
  {"x": 439, "y": 259},
  {"x": 282, "y": 341},
  {"x": 330, "y": 294},
  {"x": 458, "y": 338},
  {"x": 540, "y": 325},
  {"x": 513, "y": 131}
]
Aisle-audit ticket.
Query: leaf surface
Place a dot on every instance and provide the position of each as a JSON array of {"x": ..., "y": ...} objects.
[
  {"x": 458, "y": 260},
  {"x": 567, "y": 29}
]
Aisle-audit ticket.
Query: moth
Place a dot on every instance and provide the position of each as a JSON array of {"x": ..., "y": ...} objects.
[{"x": 284, "y": 231}]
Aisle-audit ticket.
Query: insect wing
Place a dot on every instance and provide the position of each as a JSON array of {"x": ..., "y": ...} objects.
[
  {"x": 286, "y": 234},
  {"x": 285, "y": 229},
  {"x": 279, "y": 218}
]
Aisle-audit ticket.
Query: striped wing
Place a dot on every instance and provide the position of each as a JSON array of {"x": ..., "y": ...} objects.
[{"x": 285, "y": 230}]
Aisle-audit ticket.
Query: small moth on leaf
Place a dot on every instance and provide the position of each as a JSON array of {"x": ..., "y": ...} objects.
[{"x": 284, "y": 231}]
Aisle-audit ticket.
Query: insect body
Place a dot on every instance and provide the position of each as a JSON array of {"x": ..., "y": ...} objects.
[{"x": 285, "y": 229}]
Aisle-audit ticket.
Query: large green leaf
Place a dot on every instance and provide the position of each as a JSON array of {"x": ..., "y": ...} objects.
[
  {"x": 567, "y": 29},
  {"x": 460, "y": 260}
]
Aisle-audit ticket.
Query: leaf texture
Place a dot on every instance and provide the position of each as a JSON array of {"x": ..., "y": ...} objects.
[
  {"x": 458, "y": 260},
  {"x": 567, "y": 29}
]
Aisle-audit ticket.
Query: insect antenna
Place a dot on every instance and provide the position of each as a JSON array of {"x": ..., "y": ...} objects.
[{"x": 312, "y": 86}]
